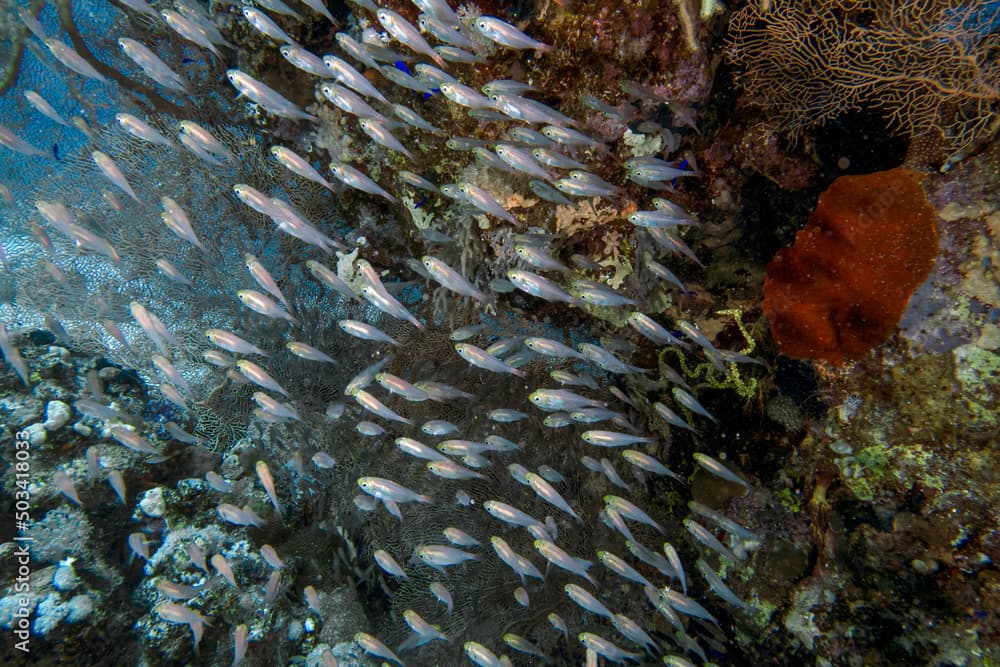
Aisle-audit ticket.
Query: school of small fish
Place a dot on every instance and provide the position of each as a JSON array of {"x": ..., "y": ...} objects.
[{"x": 475, "y": 450}]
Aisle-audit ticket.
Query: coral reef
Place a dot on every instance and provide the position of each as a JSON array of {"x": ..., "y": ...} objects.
[
  {"x": 927, "y": 64},
  {"x": 498, "y": 349}
]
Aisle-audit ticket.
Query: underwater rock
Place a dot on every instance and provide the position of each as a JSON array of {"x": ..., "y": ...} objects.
[
  {"x": 841, "y": 289},
  {"x": 57, "y": 414}
]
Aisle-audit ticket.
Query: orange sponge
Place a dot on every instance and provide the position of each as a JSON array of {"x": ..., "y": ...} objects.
[{"x": 842, "y": 287}]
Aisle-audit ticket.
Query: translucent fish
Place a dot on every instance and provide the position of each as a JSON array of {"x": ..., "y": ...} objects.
[
  {"x": 410, "y": 117},
  {"x": 385, "y": 489},
  {"x": 345, "y": 74},
  {"x": 481, "y": 655},
  {"x": 298, "y": 165},
  {"x": 375, "y": 406},
  {"x": 539, "y": 286},
  {"x": 265, "y": 25},
  {"x": 113, "y": 173},
  {"x": 440, "y": 557},
  {"x": 423, "y": 631},
  {"x": 507, "y": 35},
  {"x": 439, "y": 427},
  {"x": 482, "y": 200},
  {"x": 558, "y": 557},
  {"x": 44, "y": 107},
  {"x": 351, "y": 177},
  {"x": 605, "y": 648},
  {"x": 12, "y": 356},
  {"x": 370, "y": 644},
  {"x": 451, "y": 279},
  {"x": 443, "y": 595},
  {"x": 629, "y": 510},
  {"x": 151, "y": 65},
  {"x": 689, "y": 402},
  {"x": 389, "y": 564},
  {"x": 404, "y": 32},
  {"x": 266, "y": 97},
  {"x": 267, "y": 481},
  {"x": 366, "y": 331},
  {"x": 483, "y": 359},
  {"x": 189, "y": 30},
  {"x": 73, "y": 60},
  {"x": 705, "y": 537},
  {"x": 330, "y": 278},
  {"x": 719, "y": 470},
  {"x": 304, "y": 59},
  {"x": 397, "y": 385},
  {"x": 232, "y": 343},
  {"x": 304, "y": 351},
  {"x": 177, "y": 613},
  {"x": 259, "y": 376},
  {"x": 262, "y": 304}
]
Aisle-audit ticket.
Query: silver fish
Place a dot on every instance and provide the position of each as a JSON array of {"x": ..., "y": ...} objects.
[
  {"x": 689, "y": 402},
  {"x": 263, "y": 304},
  {"x": 44, "y": 107},
  {"x": 140, "y": 129},
  {"x": 605, "y": 648},
  {"x": 151, "y": 65},
  {"x": 719, "y": 470},
  {"x": 366, "y": 332},
  {"x": 539, "y": 286},
  {"x": 266, "y": 97},
  {"x": 73, "y": 60},
  {"x": 410, "y": 117},
  {"x": 440, "y": 557},
  {"x": 389, "y": 564},
  {"x": 548, "y": 193},
  {"x": 507, "y": 35},
  {"x": 18, "y": 145},
  {"x": 304, "y": 351},
  {"x": 381, "y": 135},
  {"x": 352, "y": 78},
  {"x": 451, "y": 279},
  {"x": 265, "y": 25},
  {"x": 264, "y": 278},
  {"x": 304, "y": 59},
  {"x": 113, "y": 173},
  {"x": 351, "y": 177},
  {"x": 404, "y": 32},
  {"x": 189, "y": 30},
  {"x": 259, "y": 376},
  {"x": 13, "y": 356},
  {"x": 375, "y": 406},
  {"x": 465, "y": 96},
  {"x": 232, "y": 343},
  {"x": 330, "y": 278},
  {"x": 707, "y": 538},
  {"x": 629, "y": 510},
  {"x": 386, "y": 489},
  {"x": 483, "y": 359}
]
